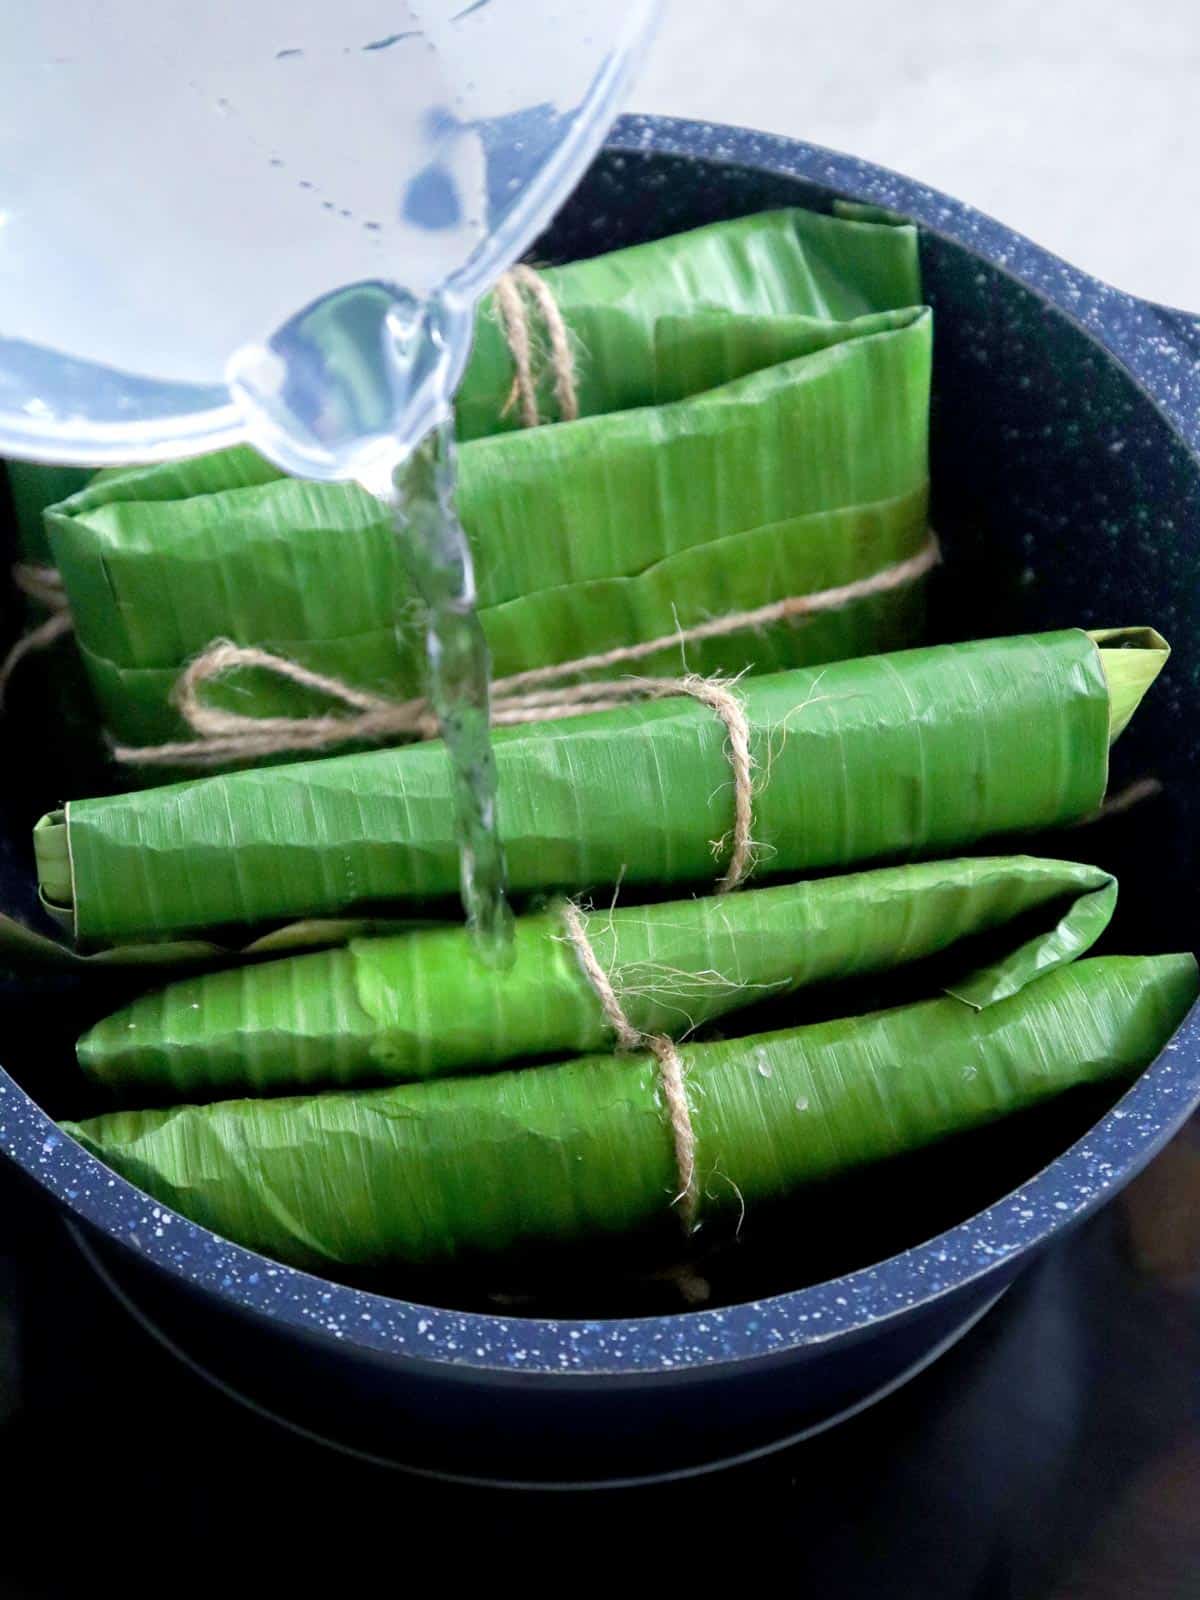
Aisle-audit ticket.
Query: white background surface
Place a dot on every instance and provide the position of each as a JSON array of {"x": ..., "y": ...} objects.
[{"x": 1075, "y": 121}]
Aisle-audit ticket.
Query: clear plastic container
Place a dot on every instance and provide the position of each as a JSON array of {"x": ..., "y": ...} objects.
[{"x": 225, "y": 219}]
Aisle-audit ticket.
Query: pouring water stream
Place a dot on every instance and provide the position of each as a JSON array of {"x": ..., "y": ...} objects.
[
  {"x": 207, "y": 171},
  {"x": 438, "y": 559}
]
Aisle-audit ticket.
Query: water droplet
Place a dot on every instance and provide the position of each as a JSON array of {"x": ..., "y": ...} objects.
[
  {"x": 970, "y": 1074},
  {"x": 285, "y": 55},
  {"x": 275, "y": 161},
  {"x": 305, "y": 184},
  {"x": 373, "y": 227},
  {"x": 802, "y": 1103}
]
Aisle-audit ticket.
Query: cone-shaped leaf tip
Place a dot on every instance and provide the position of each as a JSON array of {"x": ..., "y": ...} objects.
[
  {"x": 52, "y": 853},
  {"x": 1132, "y": 658}
]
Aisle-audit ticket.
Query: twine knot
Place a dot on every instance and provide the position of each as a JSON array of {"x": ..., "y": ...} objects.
[
  {"x": 515, "y": 293},
  {"x": 671, "y": 1078},
  {"x": 538, "y": 694}
]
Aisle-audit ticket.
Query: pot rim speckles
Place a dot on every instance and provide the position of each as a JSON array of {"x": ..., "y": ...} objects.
[{"x": 1151, "y": 343}]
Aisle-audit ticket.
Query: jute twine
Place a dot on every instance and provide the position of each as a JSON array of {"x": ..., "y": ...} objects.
[
  {"x": 1125, "y": 799},
  {"x": 44, "y": 586},
  {"x": 515, "y": 294},
  {"x": 536, "y": 695},
  {"x": 216, "y": 745},
  {"x": 671, "y": 1077},
  {"x": 669, "y": 1065},
  {"x": 518, "y": 293}
]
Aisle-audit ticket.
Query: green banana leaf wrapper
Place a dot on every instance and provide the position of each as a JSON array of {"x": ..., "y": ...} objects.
[
  {"x": 890, "y": 756},
  {"x": 788, "y": 262},
  {"x": 918, "y": 753},
  {"x": 777, "y": 446},
  {"x": 23, "y": 947},
  {"x": 775, "y": 263},
  {"x": 784, "y": 263},
  {"x": 421, "y": 1005},
  {"x": 800, "y": 476},
  {"x": 463, "y": 1168}
]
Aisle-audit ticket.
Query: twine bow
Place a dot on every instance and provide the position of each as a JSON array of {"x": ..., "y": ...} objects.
[{"x": 539, "y": 694}]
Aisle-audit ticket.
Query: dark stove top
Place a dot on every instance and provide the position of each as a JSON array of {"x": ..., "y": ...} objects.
[{"x": 1054, "y": 1453}]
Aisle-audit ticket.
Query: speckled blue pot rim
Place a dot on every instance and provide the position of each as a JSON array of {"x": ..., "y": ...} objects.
[
  {"x": 1158, "y": 345},
  {"x": 1161, "y": 349}
]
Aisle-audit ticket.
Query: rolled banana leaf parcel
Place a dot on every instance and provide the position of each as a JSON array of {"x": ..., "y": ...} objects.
[
  {"x": 461, "y": 1168},
  {"x": 419, "y": 1005},
  {"x": 891, "y": 757},
  {"x": 772, "y": 467},
  {"x": 461, "y": 1163}
]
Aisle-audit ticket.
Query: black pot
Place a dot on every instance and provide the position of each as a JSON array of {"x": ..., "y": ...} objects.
[{"x": 1066, "y": 432}]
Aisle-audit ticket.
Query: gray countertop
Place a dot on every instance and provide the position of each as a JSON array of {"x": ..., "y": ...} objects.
[{"x": 1075, "y": 121}]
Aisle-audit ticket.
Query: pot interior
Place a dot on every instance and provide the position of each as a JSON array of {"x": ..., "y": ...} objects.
[{"x": 1061, "y": 497}]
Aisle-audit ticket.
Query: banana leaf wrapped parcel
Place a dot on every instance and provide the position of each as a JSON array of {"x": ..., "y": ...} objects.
[
  {"x": 797, "y": 463},
  {"x": 913, "y": 754},
  {"x": 827, "y": 271},
  {"x": 732, "y": 500},
  {"x": 420, "y": 1005},
  {"x": 790, "y": 262},
  {"x": 463, "y": 1167}
]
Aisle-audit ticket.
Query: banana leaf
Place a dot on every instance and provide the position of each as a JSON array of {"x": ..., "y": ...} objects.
[
  {"x": 861, "y": 211},
  {"x": 238, "y": 467},
  {"x": 783, "y": 263},
  {"x": 918, "y": 753},
  {"x": 776, "y": 263},
  {"x": 23, "y": 947},
  {"x": 800, "y": 465},
  {"x": 465, "y": 1167},
  {"x": 419, "y": 1005}
]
